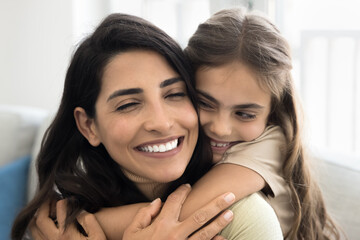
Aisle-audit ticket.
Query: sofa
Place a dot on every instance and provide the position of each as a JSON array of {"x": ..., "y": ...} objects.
[{"x": 21, "y": 131}]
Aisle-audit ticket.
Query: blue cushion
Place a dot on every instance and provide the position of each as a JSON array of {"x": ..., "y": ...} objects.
[{"x": 13, "y": 184}]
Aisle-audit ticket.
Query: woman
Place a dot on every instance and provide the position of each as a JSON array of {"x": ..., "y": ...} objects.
[
  {"x": 83, "y": 166},
  {"x": 128, "y": 88}
]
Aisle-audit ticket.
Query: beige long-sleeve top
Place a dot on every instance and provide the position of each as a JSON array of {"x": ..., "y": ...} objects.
[{"x": 265, "y": 155}]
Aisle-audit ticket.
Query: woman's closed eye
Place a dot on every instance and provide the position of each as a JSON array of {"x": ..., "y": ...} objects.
[
  {"x": 127, "y": 107},
  {"x": 176, "y": 95}
]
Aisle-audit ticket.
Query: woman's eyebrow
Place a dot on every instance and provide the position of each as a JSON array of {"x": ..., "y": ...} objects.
[
  {"x": 170, "y": 81},
  {"x": 130, "y": 91},
  {"x": 123, "y": 92}
]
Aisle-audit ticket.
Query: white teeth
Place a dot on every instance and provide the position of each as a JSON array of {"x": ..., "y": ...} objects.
[
  {"x": 214, "y": 144},
  {"x": 160, "y": 148},
  {"x": 168, "y": 146}
]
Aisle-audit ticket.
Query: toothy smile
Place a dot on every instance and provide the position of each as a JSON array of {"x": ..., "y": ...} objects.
[
  {"x": 164, "y": 147},
  {"x": 216, "y": 144}
]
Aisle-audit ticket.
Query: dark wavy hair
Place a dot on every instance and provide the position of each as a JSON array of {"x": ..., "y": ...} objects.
[
  {"x": 250, "y": 38},
  {"x": 86, "y": 175}
]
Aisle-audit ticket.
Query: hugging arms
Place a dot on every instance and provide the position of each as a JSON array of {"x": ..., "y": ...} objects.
[
  {"x": 128, "y": 87},
  {"x": 132, "y": 133}
]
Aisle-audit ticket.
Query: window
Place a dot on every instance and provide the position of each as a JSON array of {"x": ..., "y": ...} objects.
[{"x": 324, "y": 36}]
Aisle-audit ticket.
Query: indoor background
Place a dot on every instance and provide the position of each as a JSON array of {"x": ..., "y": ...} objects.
[{"x": 38, "y": 37}]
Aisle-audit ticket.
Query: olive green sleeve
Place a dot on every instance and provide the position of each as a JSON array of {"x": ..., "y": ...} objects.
[{"x": 253, "y": 219}]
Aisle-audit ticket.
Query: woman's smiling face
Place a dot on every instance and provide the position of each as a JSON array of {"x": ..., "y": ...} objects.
[{"x": 144, "y": 117}]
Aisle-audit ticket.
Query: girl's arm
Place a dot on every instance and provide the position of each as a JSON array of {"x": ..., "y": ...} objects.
[
  {"x": 221, "y": 178},
  {"x": 166, "y": 225},
  {"x": 263, "y": 154}
]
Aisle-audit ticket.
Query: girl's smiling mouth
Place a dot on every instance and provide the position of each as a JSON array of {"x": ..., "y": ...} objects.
[{"x": 221, "y": 145}]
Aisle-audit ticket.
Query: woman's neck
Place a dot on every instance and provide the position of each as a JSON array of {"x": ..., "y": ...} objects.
[{"x": 148, "y": 187}]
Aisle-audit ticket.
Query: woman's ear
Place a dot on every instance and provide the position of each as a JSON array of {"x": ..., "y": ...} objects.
[{"x": 86, "y": 126}]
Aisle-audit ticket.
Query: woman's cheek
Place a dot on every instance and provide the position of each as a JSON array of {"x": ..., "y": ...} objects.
[{"x": 191, "y": 117}]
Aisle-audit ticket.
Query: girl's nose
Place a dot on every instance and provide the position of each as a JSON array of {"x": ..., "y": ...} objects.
[{"x": 220, "y": 126}]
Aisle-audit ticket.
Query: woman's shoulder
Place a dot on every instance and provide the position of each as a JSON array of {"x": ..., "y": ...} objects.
[{"x": 254, "y": 218}]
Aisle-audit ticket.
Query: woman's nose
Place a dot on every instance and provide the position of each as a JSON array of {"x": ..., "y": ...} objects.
[
  {"x": 159, "y": 119},
  {"x": 220, "y": 126}
]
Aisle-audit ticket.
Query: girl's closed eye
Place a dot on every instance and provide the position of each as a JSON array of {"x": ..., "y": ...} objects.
[{"x": 204, "y": 105}]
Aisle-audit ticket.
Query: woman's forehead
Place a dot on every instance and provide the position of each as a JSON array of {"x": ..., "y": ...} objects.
[{"x": 136, "y": 69}]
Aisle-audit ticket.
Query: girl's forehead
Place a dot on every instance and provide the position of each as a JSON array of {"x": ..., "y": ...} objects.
[
  {"x": 234, "y": 74},
  {"x": 231, "y": 84}
]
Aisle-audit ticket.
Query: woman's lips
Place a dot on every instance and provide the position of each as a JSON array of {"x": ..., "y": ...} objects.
[{"x": 161, "y": 146}]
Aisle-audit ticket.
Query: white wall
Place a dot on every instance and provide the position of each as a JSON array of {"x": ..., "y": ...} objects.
[
  {"x": 37, "y": 40},
  {"x": 35, "y": 45},
  {"x": 38, "y": 37}
]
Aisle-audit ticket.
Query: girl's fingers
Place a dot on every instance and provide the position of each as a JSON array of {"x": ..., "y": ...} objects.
[
  {"x": 212, "y": 229},
  {"x": 45, "y": 226},
  {"x": 174, "y": 202},
  {"x": 91, "y": 226},
  {"x": 206, "y": 213},
  {"x": 167, "y": 225}
]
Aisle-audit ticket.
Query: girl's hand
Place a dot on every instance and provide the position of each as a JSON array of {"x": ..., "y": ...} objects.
[
  {"x": 167, "y": 225},
  {"x": 44, "y": 228}
]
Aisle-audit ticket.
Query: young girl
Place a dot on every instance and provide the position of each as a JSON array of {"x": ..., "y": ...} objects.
[{"x": 249, "y": 110}]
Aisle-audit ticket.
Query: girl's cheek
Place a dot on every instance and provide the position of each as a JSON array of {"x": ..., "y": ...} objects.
[{"x": 254, "y": 131}]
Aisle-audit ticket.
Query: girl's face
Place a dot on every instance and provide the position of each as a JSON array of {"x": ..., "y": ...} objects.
[
  {"x": 144, "y": 117},
  {"x": 233, "y": 107}
]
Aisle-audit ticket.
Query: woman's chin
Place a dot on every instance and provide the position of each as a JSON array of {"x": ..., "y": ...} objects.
[{"x": 169, "y": 176}]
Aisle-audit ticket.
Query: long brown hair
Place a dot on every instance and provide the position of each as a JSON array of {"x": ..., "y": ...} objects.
[
  {"x": 234, "y": 35},
  {"x": 102, "y": 184}
]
